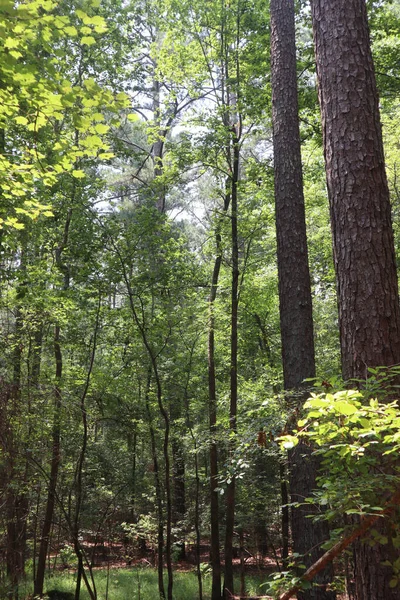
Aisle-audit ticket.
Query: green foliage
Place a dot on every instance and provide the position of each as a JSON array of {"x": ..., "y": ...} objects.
[
  {"x": 356, "y": 435},
  {"x": 80, "y": 229},
  {"x": 49, "y": 110}
]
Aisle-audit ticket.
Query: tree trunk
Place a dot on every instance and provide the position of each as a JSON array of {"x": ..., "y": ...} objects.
[
  {"x": 160, "y": 530},
  {"x": 158, "y": 146},
  {"x": 369, "y": 318},
  {"x": 55, "y": 463},
  {"x": 212, "y": 407},
  {"x": 231, "y": 487},
  {"x": 56, "y": 428},
  {"x": 214, "y": 503},
  {"x": 79, "y": 469},
  {"x": 364, "y": 255},
  {"x": 294, "y": 279},
  {"x": 179, "y": 505},
  {"x": 285, "y": 511}
]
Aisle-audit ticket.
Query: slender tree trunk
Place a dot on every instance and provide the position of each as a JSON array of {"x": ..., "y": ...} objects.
[
  {"x": 79, "y": 469},
  {"x": 214, "y": 503},
  {"x": 160, "y": 532},
  {"x": 132, "y": 447},
  {"x": 189, "y": 426},
  {"x": 179, "y": 505},
  {"x": 55, "y": 463},
  {"x": 16, "y": 503},
  {"x": 231, "y": 487},
  {"x": 285, "y": 511},
  {"x": 242, "y": 564},
  {"x": 294, "y": 277},
  {"x": 212, "y": 408},
  {"x": 197, "y": 522},
  {"x": 56, "y": 428}
]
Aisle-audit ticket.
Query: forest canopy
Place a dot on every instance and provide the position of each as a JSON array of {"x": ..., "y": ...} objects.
[{"x": 199, "y": 314}]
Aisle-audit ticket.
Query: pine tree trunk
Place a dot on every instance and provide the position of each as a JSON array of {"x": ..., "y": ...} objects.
[
  {"x": 364, "y": 256},
  {"x": 294, "y": 279},
  {"x": 369, "y": 318}
]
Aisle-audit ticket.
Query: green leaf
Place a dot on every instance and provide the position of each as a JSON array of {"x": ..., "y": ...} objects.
[
  {"x": 315, "y": 403},
  {"x": 71, "y": 31},
  {"x": 88, "y": 40},
  {"x": 344, "y": 408},
  {"x": 78, "y": 174},
  {"x": 101, "y": 128},
  {"x": 11, "y": 43},
  {"x": 21, "y": 120}
]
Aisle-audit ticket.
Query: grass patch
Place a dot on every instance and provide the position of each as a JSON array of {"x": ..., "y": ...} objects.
[{"x": 141, "y": 584}]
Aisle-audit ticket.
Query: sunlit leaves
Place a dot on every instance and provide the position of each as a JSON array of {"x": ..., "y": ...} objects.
[
  {"x": 357, "y": 438},
  {"x": 43, "y": 101}
]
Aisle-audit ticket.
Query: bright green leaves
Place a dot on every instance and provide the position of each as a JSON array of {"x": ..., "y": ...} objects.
[
  {"x": 96, "y": 23},
  {"x": 50, "y": 119},
  {"x": 358, "y": 440},
  {"x": 341, "y": 403}
]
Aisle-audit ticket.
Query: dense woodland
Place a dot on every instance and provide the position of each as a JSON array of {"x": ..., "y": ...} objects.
[{"x": 199, "y": 315}]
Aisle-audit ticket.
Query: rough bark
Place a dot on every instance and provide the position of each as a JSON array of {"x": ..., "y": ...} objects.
[
  {"x": 369, "y": 318},
  {"x": 307, "y": 534},
  {"x": 364, "y": 255},
  {"x": 294, "y": 278}
]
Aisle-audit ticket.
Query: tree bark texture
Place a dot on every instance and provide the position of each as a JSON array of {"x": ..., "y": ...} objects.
[
  {"x": 358, "y": 192},
  {"x": 307, "y": 534},
  {"x": 296, "y": 317},
  {"x": 294, "y": 277},
  {"x": 363, "y": 244}
]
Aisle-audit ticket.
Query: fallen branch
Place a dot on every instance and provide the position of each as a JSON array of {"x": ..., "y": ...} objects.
[{"x": 365, "y": 524}]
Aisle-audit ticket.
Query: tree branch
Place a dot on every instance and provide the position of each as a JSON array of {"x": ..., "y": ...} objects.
[{"x": 365, "y": 524}]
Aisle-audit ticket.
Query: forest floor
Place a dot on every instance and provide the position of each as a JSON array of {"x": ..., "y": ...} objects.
[{"x": 118, "y": 568}]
